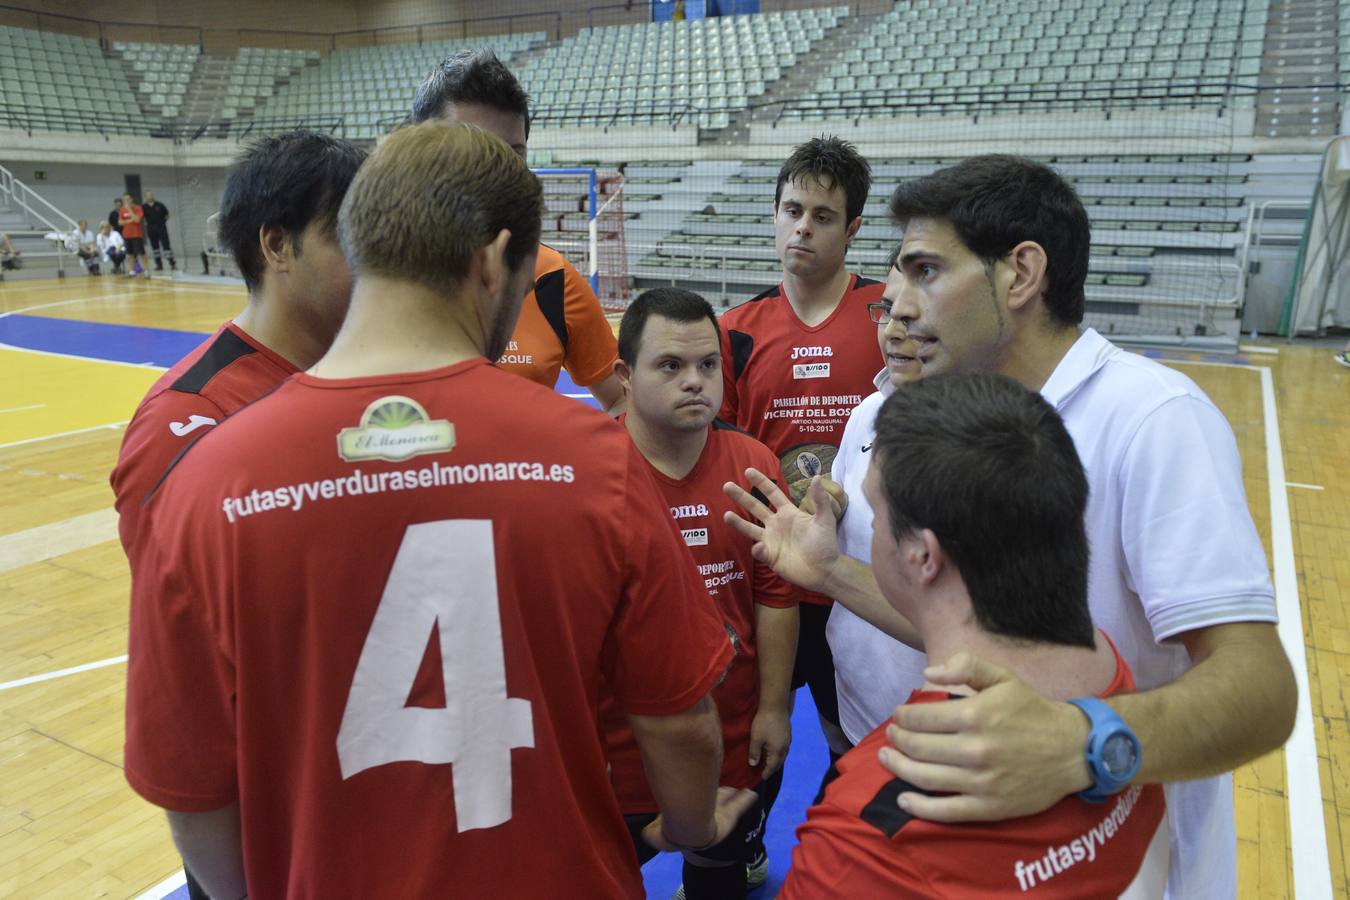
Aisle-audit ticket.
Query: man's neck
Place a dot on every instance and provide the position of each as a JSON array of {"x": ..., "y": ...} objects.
[
  {"x": 1053, "y": 670},
  {"x": 813, "y": 301},
  {"x": 395, "y": 326},
  {"x": 269, "y": 321},
  {"x": 1031, "y": 359},
  {"x": 672, "y": 453}
]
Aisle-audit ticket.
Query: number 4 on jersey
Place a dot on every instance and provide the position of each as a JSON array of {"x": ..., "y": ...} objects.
[{"x": 444, "y": 578}]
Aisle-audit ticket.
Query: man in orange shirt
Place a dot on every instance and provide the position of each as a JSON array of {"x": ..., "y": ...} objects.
[
  {"x": 561, "y": 324},
  {"x": 132, "y": 219}
]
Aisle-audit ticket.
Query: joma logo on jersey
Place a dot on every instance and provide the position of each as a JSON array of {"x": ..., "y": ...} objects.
[
  {"x": 808, "y": 352},
  {"x": 695, "y": 537},
  {"x": 811, "y": 370},
  {"x": 685, "y": 512}
]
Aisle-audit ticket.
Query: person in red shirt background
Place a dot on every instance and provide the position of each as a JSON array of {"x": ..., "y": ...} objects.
[
  {"x": 800, "y": 356},
  {"x": 131, "y": 217},
  {"x": 979, "y": 541},
  {"x": 279, "y": 219},
  {"x": 670, "y": 367}
]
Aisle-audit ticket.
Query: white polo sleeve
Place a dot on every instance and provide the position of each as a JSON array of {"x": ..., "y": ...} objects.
[{"x": 1191, "y": 551}]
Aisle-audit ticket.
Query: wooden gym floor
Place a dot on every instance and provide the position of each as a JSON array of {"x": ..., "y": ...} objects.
[{"x": 70, "y": 826}]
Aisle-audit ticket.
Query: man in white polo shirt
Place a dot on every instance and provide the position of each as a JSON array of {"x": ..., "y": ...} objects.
[{"x": 992, "y": 267}]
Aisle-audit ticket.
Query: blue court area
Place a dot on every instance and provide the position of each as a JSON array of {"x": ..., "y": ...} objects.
[
  {"x": 132, "y": 344},
  {"x": 163, "y": 347}
]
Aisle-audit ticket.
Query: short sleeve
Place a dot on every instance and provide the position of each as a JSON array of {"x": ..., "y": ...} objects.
[
  {"x": 591, "y": 348},
  {"x": 180, "y": 737},
  {"x": 668, "y": 646},
  {"x": 149, "y": 447},
  {"x": 1191, "y": 550}
]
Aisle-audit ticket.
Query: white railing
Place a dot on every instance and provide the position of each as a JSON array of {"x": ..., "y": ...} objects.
[{"x": 30, "y": 201}]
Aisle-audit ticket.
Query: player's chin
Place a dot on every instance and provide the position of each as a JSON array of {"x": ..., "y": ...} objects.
[{"x": 693, "y": 417}]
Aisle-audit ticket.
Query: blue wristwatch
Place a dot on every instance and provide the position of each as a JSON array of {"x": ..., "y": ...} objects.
[{"x": 1113, "y": 752}]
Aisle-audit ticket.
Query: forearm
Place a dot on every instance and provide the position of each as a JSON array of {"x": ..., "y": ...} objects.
[
  {"x": 609, "y": 394},
  {"x": 1235, "y": 704},
  {"x": 682, "y": 757},
  {"x": 852, "y": 583},
  {"x": 776, "y": 644},
  {"x": 211, "y": 848}
]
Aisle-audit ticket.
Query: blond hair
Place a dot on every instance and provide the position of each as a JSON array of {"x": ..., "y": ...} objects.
[{"x": 430, "y": 197}]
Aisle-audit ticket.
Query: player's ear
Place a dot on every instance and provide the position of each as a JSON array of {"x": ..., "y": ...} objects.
[
  {"x": 852, "y": 230},
  {"x": 625, "y": 374},
  {"x": 492, "y": 268},
  {"x": 1028, "y": 263},
  {"x": 276, "y": 247},
  {"x": 933, "y": 556}
]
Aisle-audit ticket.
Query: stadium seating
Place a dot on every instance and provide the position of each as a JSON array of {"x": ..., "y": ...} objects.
[
  {"x": 1345, "y": 41},
  {"x": 370, "y": 88},
  {"x": 924, "y": 56},
  {"x": 164, "y": 72},
  {"x": 256, "y": 73},
  {"x": 670, "y": 72},
  {"x": 928, "y": 55},
  {"x": 59, "y": 82},
  {"x": 1167, "y": 232}
]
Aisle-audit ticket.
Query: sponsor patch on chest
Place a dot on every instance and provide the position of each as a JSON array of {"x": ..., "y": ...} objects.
[
  {"x": 695, "y": 537},
  {"x": 810, "y": 370}
]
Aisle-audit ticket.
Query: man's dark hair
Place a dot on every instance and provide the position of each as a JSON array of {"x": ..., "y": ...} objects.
[
  {"x": 988, "y": 467},
  {"x": 831, "y": 161},
  {"x": 996, "y": 202},
  {"x": 287, "y": 181},
  {"x": 470, "y": 76},
  {"x": 666, "y": 302}
]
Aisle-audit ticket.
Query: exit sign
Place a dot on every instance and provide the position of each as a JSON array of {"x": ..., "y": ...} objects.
[{"x": 40, "y": 175}]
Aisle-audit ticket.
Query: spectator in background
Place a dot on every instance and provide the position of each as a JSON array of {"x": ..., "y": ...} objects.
[
  {"x": 115, "y": 217},
  {"x": 132, "y": 217},
  {"x": 111, "y": 247},
  {"x": 82, "y": 242},
  {"x": 9, "y": 257},
  {"x": 157, "y": 231}
]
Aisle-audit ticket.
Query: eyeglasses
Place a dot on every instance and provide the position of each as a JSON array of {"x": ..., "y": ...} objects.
[{"x": 880, "y": 313}]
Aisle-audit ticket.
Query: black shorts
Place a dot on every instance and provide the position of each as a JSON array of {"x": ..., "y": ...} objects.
[{"x": 135, "y": 246}]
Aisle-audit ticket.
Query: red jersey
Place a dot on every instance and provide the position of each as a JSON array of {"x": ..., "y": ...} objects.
[
  {"x": 793, "y": 387},
  {"x": 378, "y": 614},
  {"x": 224, "y": 372},
  {"x": 735, "y": 582},
  {"x": 132, "y": 221},
  {"x": 561, "y": 324},
  {"x": 858, "y": 843}
]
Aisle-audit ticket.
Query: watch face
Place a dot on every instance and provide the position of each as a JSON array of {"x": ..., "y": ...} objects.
[{"x": 1119, "y": 756}]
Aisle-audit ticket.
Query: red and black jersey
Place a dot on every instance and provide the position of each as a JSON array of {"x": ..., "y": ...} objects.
[
  {"x": 857, "y": 842},
  {"x": 793, "y": 386},
  {"x": 377, "y": 613},
  {"x": 225, "y": 372},
  {"x": 735, "y": 583}
]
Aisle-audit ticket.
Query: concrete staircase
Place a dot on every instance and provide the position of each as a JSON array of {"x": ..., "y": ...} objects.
[
  {"x": 797, "y": 82},
  {"x": 801, "y": 81},
  {"x": 1300, "y": 54},
  {"x": 26, "y": 216}
]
